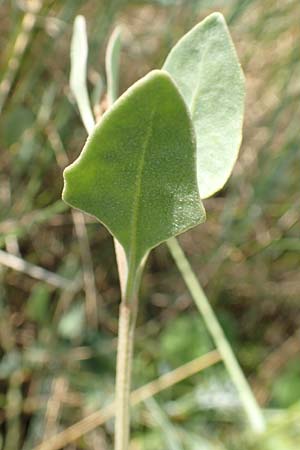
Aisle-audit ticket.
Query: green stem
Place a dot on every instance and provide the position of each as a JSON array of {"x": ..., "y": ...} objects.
[
  {"x": 247, "y": 398},
  {"x": 129, "y": 279},
  {"x": 127, "y": 319}
]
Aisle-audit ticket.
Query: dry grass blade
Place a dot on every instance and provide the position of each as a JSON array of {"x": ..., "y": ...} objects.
[
  {"x": 88, "y": 270},
  {"x": 97, "y": 418},
  {"x": 59, "y": 390}
]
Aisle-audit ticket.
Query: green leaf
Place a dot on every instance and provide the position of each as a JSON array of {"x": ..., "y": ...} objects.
[
  {"x": 79, "y": 54},
  {"x": 137, "y": 171},
  {"x": 112, "y": 60},
  {"x": 206, "y": 69}
]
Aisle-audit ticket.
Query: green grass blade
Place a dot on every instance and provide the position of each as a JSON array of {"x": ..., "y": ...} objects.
[
  {"x": 247, "y": 398},
  {"x": 169, "y": 431}
]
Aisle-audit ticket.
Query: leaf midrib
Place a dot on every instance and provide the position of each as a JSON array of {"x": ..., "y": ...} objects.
[
  {"x": 137, "y": 196},
  {"x": 197, "y": 88}
]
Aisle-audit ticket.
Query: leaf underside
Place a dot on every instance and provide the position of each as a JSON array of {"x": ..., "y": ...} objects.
[
  {"x": 137, "y": 173},
  {"x": 207, "y": 72}
]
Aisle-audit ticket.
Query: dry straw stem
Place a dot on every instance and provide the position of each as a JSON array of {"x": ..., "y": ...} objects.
[
  {"x": 88, "y": 270},
  {"x": 37, "y": 272},
  {"x": 141, "y": 394}
]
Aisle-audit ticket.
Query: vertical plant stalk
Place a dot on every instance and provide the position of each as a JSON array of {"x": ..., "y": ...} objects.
[
  {"x": 250, "y": 405},
  {"x": 129, "y": 303},
  {"x": 127, "y": 320}
]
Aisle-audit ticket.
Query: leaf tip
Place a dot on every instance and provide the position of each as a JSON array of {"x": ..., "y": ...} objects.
[
  {"x": 161, "y": 78},
  {"x": 79, "y": 20},
  {"x": 217, "y": 16}
]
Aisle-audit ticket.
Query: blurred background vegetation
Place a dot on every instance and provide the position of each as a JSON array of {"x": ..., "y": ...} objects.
[{"x": 57, "y": 355}]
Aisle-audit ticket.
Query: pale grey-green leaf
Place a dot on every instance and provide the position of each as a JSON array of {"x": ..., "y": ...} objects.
[
  {"x": 79, "y": 54},
  {"x": 112, "y": 60},
  {"x": 207, "y": 72}
]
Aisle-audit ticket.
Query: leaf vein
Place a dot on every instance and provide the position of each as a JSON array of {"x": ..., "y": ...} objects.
[{"x": 137, "y": 195}]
